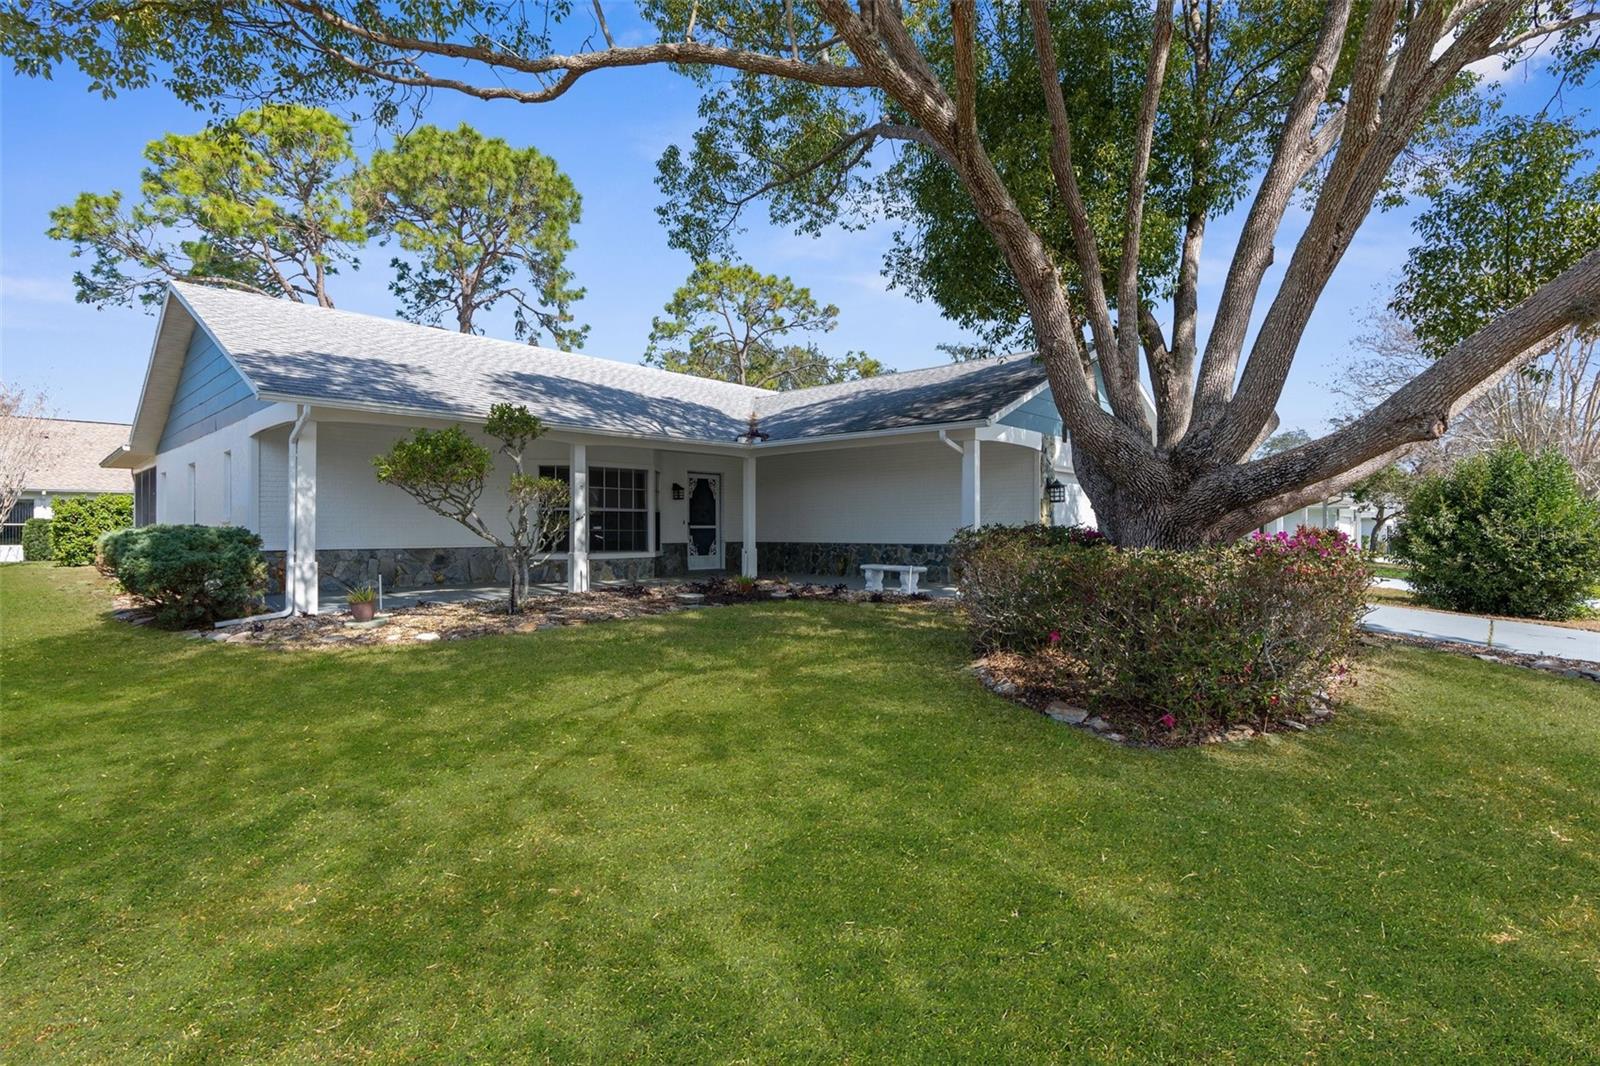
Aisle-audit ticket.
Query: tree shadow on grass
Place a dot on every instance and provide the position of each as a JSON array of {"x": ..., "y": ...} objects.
[{"x": 782, "y": 829}]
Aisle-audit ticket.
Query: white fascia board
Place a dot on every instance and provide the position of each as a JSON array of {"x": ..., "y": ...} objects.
[
  {"x": 1042, "y": 387},
  {"x": 121, "y": 458},
  {"x": 150, "y": 364},
  {"x": 200, "y": 323},
  {"x": 365, "y": 412},
  {"x": 323, "y": 411},
  {"x": 1144, "y": 398},
  {"x": 1023, "y": 438},
  {"x": 176, "y": 360},
  {"x": 849, "y": 440}
]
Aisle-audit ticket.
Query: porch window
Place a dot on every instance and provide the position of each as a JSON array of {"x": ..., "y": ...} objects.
[
  {"x": 619, "y": 513},
  {"x": 144, "y": 497},
  {"x": 562, "y": 473},
  {"x": 11, "y": 529}
]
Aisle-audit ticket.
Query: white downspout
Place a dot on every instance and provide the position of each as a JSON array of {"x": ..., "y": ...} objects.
[
  {"x": 945, "y": 437},
  {"x": 288, "y": 552}
]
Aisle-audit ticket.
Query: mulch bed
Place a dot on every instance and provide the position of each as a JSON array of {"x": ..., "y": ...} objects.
[
  {"x": 434, "y": 621},
  {"x": 1043, "y": 682}
]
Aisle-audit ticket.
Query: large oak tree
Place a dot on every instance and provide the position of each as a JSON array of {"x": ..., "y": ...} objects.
[{"x": 817, "y": 89}]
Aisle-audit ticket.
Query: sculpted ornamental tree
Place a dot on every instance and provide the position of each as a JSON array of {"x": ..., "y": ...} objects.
[
  {"x": 732, "y": 322},
  {"x": 445, "y": 470},
  {"x": 1191, "y": 108}
]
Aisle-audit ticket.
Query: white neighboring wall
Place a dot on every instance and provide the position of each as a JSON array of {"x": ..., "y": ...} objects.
[
  {"x": 1327, "y": 515},
  {"x": 12, "y": 553}
]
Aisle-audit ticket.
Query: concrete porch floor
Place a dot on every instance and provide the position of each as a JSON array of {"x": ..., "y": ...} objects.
[{"x": 331, "y": 600}]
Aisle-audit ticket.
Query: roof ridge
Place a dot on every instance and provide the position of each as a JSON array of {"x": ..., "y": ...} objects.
[
  {"x": 482, "y": 338},
  {"x": 820, "y": 392}
]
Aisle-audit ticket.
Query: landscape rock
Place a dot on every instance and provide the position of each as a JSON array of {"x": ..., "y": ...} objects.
[
  {"x": 426, "y": 637},
  {"x": 1098, "y": 724},
  {"x": 1065, "y": 712}
]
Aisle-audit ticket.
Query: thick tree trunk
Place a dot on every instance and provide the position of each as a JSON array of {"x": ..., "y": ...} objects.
[
  {"x": 516, "y": 576},
  {"x": 1136, "y": 515},
  {"x": 1384, "y": 518}
]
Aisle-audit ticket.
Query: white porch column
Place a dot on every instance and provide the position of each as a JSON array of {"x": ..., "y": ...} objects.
[
  {"x": 971, "y": 512},
  {"x": 303, "y": 477},
  {"x": 578, "y": 545},
  {"x": 747, "y": 543}
]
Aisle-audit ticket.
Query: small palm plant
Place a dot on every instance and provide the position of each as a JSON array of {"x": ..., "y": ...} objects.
[{"x": 363, "y": 601}]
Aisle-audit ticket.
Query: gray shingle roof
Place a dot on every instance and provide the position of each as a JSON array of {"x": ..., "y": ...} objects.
[
  {"x": 940, "y": 395},
  {"x": 297, "y": 351},
  {"x": 70, "y": 459}
]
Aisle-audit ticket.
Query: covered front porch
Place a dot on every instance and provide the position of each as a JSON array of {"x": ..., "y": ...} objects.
[{"x": 643, "y": 510}]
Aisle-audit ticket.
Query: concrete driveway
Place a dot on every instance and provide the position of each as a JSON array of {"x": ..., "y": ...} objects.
[{"x": 1524, "y": 638}]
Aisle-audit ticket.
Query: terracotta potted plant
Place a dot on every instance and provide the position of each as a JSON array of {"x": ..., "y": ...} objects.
[{"x": 363, "y": 603}]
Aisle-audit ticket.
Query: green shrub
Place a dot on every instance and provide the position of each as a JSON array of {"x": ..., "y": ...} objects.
[
  {"x": 80, "y": 521},
  {"x": 36, "y": 545},
  {"x": 1212, "y": 637},
  {"x": 188, "y": 575},
  {"x": 1502, "y": 533}
]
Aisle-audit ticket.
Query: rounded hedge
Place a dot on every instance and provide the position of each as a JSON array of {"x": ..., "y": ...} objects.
[
  {"x": 187, "y": 575},
  {"x": 1502, "y": 533},
  {"x": 36, "y": 541},
  {"x": 1170, "y": 643}
]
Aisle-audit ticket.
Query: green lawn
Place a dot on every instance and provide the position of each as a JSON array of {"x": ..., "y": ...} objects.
[
  {"x": 1393, "y": 570},
  {"x": 788, "y": 832}
]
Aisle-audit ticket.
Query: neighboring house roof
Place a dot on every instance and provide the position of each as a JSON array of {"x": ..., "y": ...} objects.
[
  {"x": 296, "y": 352},
  {"x": 69, "y": 461}
]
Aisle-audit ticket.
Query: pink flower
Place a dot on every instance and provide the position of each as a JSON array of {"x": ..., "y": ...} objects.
[
  {"x": 1168, "y": 721},
  {"x": 1055, "y": 636}
]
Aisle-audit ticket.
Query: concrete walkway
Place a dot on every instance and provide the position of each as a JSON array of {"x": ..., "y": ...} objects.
[{"x": 1524, "y": 638}]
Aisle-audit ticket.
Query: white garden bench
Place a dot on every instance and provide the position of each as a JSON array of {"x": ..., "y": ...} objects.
[{"x": 909, "y": 576}]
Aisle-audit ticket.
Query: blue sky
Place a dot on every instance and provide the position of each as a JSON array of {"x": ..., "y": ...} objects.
[{"x": 56, "y": 140}]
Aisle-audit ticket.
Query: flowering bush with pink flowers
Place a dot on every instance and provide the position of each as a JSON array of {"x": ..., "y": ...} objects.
[{"x": 1174, "y": 643}]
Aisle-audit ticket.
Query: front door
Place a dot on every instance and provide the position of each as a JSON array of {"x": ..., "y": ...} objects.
[{"x": 705, "y": 521}]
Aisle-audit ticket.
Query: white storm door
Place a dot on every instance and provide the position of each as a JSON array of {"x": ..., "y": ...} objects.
[{"x": 705, "y": 521}]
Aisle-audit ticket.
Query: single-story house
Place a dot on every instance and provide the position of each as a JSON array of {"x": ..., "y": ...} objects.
[
  {"x": 267, "y": 413},
  {"x": 68, "y": 465}
]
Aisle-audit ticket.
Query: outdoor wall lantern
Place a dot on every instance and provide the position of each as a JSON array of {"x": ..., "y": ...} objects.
[
  {"x": 1055, "y": 491},
  {"x": 677, "y": 491}
]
